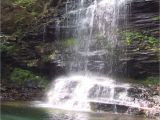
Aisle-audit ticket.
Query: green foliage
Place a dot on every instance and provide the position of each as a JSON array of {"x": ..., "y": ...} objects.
[
  {"x": 24, "y": 3},
  {"x": 156, "y": 18},
  {"x": 19, "y": 34},
  {"x": 152, "y": 40},
  {"x": 34, "y": 14},
  {"x": 67, "y": 42},
  {"x": 70, "y": 41},
  {"x": 45, "y": 58},
  {"x": 20, "y": 14},
  {"x": 31, "y": 63},
  {"x": 20, "y": 76},
  {"x": 131, "y": 36},
  {"x": 9, "y": 49},
  {"x": 151, "y": 81}
]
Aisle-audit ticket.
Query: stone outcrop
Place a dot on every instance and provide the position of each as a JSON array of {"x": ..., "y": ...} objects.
[
  {"x": 37, "y": 49},
  {"x": 142, "y": 59},
  {"x": 28, "y": 45},
  {"x": 21, "y": 93},
  {"x": 148, "y": 103},
  {"x": 143, "y": 16}
]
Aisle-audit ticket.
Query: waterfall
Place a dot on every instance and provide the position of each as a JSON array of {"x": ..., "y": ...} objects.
[
  {"x": 94, "y": 24},
  {"x": 77, "y": 92},
  {"x": 96, "y": 30}
]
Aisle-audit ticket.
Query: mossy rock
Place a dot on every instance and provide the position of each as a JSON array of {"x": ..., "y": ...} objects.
[
  {"x": 152, "y": 80},
  {"x": 145, "y": 41}
]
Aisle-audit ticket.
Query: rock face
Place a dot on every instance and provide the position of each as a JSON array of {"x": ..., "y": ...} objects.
[
  {"x": 142, "y": 63},
  {"x": 21, "y": 93},
  {"x": 143, "y": 15},
  {"x": 30, "y": 47},
  {"x": 37, "y": 49},
  {"x": 142, "y": 59},
  {"x": 148, "y": 103}
]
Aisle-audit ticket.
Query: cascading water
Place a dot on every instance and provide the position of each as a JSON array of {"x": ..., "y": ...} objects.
[
  {"x": 77, "y": 92},
  {"x": 94, "y": 26}
]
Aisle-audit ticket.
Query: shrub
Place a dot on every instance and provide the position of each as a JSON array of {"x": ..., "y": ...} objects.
[{"x": 21, "y": 76}]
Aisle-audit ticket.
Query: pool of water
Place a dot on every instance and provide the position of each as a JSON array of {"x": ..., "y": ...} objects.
[{"x": 26, "y": 111}]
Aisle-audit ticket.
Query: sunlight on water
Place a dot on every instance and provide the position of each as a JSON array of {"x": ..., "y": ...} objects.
[{"x": 77, "y": 92}]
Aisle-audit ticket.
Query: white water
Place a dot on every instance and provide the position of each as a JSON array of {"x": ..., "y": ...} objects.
[
  {"x": 96, "y": 29},
  {"x": 77, "y": 92}
]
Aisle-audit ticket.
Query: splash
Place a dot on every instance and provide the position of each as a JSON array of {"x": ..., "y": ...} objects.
[
  {"x": 94, "y": 24},
  {"x": 89, "y": 92}
]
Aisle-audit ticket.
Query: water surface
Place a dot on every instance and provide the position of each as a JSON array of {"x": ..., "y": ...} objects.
[{"x": 26, "y": 111}]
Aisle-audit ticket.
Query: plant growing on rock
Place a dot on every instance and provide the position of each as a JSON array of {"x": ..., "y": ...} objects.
[
  {"x": 156, "y": 18},
  {"x": 132, "y": 36},
  {"x": 151, "y": 81},
  {"x": 21, "y": 77}
]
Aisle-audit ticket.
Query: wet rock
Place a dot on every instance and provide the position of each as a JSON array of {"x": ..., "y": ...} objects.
[
  {"x": 107, "y": 107},
  {"x": 122, "y": 108},
  {"x": 136, "y": 111},
  {"x": 141, "y": 17},
  {"x": 134, "y": 92},
  {"x": 102, "y": 107},
  {"x": 99, "y": 91},
  {"x": 21, "y": 93},
  {"x": 31, "y": 84}
]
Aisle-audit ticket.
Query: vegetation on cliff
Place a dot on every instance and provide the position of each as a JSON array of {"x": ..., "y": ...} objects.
[
  {"x": 29, "y": 44},
  {"x": 22, "y": 77},
  {"x": 150, "y": 40},
  {"x": 17, "y": 17}
]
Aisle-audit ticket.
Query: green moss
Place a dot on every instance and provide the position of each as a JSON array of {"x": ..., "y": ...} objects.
[
  {"x": 45, "y": 58},
  {"x": 132, "y": 35},
  {"x": 31, "y": 63},
  {"x": 66, "y": 42},
  {"x": 24, "y": 3},
  {"x": 19, "y": 34},
  {"x": 9, "y": 49},
  {"x": 156, "y": 18},
  {"x": 34, "y": 14},
  {"x": 152, "y": 40},
  {"x": 151, "y": 81},
  {"x": 20, "y": 76},
  {"x": 70, "y": 41}
]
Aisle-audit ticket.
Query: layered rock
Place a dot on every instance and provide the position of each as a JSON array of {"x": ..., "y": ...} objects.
[
  {"x": 142, "y": 58},
  {"x": 25, "y": 43},
  {"x": 37, "y": 49}
]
